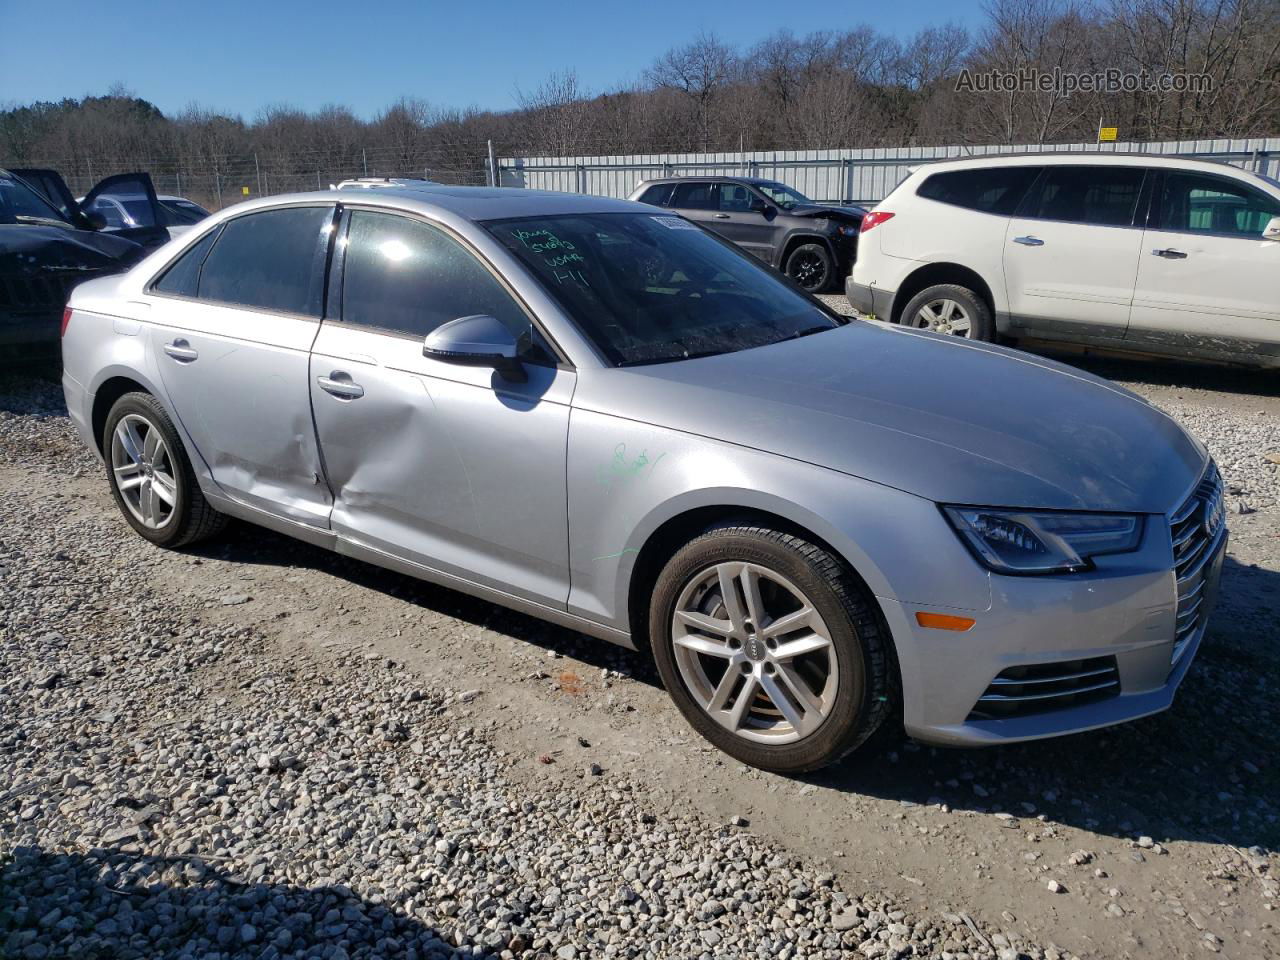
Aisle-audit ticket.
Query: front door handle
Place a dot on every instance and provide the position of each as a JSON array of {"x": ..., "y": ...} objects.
[
  {"x": 180, "y": 350},
  {"x": 722, "y": 216},
  {"x": 1029, "y": 241},
  {"x": 339, "y": 385},
  {"x": 1169, "y": 254}
]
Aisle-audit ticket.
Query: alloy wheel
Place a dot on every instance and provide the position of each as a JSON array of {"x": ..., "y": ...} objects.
[
  {"x": 809, "y": 270},
  {"x": 755, "y": 653},
  {"x": 945, "y": 316},
  {"x": 143, "y": 469}
]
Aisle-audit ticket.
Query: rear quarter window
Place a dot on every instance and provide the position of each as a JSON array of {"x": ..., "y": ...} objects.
[
  {"x": 996, "y": 190},
  {"x": 271, "y": 260},
  {"x": 658, "y": 194},
  {"x": 182, "y": 278}
]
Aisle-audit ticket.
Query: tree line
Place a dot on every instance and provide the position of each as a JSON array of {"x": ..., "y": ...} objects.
[{"x": 856, "y": 87}]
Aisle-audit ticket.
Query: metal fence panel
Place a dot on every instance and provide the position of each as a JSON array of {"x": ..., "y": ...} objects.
[{"x": 863, "y": 176}]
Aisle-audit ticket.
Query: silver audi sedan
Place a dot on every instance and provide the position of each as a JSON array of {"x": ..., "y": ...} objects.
[{"x": 611, "y": 419}]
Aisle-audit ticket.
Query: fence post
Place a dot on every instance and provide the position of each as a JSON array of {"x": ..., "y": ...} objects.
[
  {"x": 848, "y": 179},
  {"x": 258, "y": 173},
  {"x": 364, "y": 160},
  {"x": 582, "y": 178},
  {"x": 493, "y": 167},
  {"x": 217, "y": 186},
  {"x": 318, "y": 187}
]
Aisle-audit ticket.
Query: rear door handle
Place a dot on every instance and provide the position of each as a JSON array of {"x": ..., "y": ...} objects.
[
  {"x": 339, "y": 384},
  {"x": 1169, "y": 254},
  {"x": 180, "y": 350},
  {"x": 722, "y": 216},
  {"x": 1029, "y": 241}
]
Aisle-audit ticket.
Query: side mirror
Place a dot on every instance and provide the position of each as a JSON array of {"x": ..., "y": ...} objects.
[
  {"x": 477, "y": 341},
  {"x": 759, "y": 206},
  {"x": 1272, "y": 230},
  {"x": 96, "y": 220}
]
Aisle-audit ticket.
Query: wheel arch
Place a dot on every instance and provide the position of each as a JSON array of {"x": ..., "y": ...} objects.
[
  {"x": 676, "y": 530},
  {"x": 935, "y": 273},
  {"x": 798, "y": 237},
  {"x": 105, "y": 397}
]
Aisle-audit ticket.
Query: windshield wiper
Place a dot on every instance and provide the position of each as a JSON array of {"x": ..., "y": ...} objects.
[
  {"x": 807, "y": 331},
  {"x": 644, "y": 361},
  {"x": 46, "y": 221}
]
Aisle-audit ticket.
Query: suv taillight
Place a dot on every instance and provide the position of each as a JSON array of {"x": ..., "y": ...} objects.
[
  {"x": 875, "y": 218},
  {"x": 66, "y": 318}
]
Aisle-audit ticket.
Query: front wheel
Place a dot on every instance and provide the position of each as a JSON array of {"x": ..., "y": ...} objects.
[
  {"x": 810, "y": 266},
  {"x": 951, "y": 309},
  {"x": 770, "y": 648}
]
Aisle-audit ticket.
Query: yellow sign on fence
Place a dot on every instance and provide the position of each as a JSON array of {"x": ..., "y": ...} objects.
[
  {"x": 1107, "y": 134},
  {"x": 244, "y": 191}
]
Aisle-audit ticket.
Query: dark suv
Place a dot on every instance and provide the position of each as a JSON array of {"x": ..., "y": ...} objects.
[{"x": 812, "y": 243}]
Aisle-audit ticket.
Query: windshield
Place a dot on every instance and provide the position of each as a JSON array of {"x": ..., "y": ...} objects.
[
  {"x": 20, "y": 204},
  {"x": 781, "y": 194},
  {"x": 651, "y": 289}
]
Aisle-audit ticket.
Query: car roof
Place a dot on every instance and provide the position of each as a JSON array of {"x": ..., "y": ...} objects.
[
  {"x": 469, "y": 203},
  {"x": 1073, "y": 157},
  {"x": 697, "y": 177}
]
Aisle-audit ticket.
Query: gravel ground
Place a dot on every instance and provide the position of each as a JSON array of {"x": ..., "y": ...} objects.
[
  {"x": 179, "y": 789},
  {"x": 262, "y": 750}
]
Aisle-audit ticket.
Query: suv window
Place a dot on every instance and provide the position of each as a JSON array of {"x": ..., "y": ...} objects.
[
  {"x": 1101, "y": 196},
  {"x": 735, "y": 198},
  {"x": 271, "y": 260},
  {"x": 1203, "y": 203},
  {"x": 657, "y": 194},
  {"x": 991, "y": 189},
  {"x": 403, "y": 275},
  {"x": 694, "y": 196},
  {"x": 182, "y": 279}
]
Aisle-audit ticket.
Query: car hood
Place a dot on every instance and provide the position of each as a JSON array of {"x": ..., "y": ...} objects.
[
  {"x": 943, "y": 418},
  {"x": 831, "y": 211}
]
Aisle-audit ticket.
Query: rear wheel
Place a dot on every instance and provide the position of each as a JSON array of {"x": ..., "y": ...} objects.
[
  {"x": 770, "y": 648},
  {"x": 951, "y": 309},
  {"x": 151, "y": 477},
  {"x": 810, "y": 266}
]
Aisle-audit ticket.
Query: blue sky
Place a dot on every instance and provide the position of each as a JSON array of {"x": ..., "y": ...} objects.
[{"x": 238, "y": 57}]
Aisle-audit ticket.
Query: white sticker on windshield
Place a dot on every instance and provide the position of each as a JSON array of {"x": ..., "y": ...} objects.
[{"x": 674, "y": 223}]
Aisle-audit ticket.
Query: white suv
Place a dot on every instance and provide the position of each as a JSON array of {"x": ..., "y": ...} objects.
[{"x": 1130, "y": 252}]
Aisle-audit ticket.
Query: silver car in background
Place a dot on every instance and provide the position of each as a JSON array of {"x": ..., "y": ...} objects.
[{"x": 611, "y": 419}]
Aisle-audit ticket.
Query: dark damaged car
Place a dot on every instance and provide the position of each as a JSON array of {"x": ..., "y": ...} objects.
[
  {"x": 814, "y": 244},
  {"x": 47, "y": 246}
]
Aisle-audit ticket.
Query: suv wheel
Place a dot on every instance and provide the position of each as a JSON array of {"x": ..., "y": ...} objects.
[
  {"x": 950, "y": 309},
  {"x": 150, "y": 476},
  {"x": 770, "y": 648},
  {"x": 810, "y": 266}
]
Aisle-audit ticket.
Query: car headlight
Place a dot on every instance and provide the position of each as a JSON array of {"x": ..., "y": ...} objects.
[
  {"x": 847, "y": 230},
  {"x": 1024, "y": 542}
]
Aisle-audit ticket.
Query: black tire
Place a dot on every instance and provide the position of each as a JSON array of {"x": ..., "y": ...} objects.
[
  {"x": 810, "y": 266},
  {"x": 981, "y": 324},
  {"x": 866, "y": 691},
  {"x": 190, "y": 518}
]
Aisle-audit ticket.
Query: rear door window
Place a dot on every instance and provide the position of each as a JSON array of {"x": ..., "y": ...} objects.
[
  {"x": 272, "y": 260},
  {"x": 1099, "y": 196},
  {"x": 994, "y": 190},
  {"x": 694, "y": 196}
]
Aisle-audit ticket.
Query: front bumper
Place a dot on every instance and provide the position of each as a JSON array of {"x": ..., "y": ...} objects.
[{"x": 1121, "y": 611}]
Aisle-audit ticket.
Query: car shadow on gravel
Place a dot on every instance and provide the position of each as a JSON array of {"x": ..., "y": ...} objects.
[
  {"x": 106, "y": 903},
  {"x": 244, "y": 543},
  {"x": 1205, "y": 770}
]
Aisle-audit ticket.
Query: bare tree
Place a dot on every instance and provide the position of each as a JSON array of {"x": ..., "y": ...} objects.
[{"x": 700, "y": 70}]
